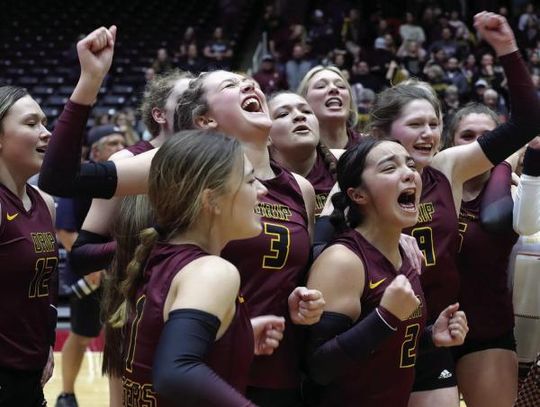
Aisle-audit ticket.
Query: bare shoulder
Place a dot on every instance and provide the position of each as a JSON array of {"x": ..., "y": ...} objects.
[
  {"x": 214, "y": 271},
  {"x": 339, "y": 274},
  {"x": 120, "y": 155},
  {"x": 338, "y": 261}
]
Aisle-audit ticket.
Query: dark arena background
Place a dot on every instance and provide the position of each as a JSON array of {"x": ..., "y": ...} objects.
[{"x": 276, "y": 42}]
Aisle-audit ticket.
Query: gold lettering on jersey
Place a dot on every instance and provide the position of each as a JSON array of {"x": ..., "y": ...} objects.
[
  {"x": 425, "y": 212},
  {"x": 44, "y": 242},
  {"x": 320, "y": 200},
  {"x": 273, "y": 211},
  {"x": 138, "y": 394},
  {"x": 466, "y": 215},
  {"x": 417, "y": 313}
]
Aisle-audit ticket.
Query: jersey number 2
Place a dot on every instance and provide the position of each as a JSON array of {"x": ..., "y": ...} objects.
[{"x": 408, "y": 347}]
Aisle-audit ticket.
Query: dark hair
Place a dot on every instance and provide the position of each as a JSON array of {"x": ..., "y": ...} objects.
[
  {"x": 390, "y": 102},
  {"x": 350, "y": 168},
  {"x": 466, "y": 110},
  {"x": 9, "y": 95}
]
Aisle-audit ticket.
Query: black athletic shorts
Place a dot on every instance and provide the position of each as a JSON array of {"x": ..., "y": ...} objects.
[
  {"x": 21, "y": 388},
  {"x": 274, "y": 397},
  {"x": 434, "y": 369},
  {"x": 85, "y": 314},
  {"x": 506, "y": 341}
]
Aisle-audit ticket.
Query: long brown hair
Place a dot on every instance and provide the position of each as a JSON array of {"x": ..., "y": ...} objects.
[{"x": 187, "y": 164}]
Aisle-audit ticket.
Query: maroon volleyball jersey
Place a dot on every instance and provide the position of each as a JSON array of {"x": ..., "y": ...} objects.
[
  {"x": 436, "y": 233},
  {"x": 29, "y": 256},
  {"x": 322, "y": 180},
  {"x": 230, "y": 357},
  {"x": 386, "y": 377},
  {"x": 354, "y": 138},
  {"x": 271, "y": 265},
  {"x": 482, "y": 263},
  {"x": 140, "y": 147}
]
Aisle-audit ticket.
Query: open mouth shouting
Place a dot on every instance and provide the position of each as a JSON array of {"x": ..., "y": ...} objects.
[
  {"x": 252, "y": 105},
  {"x": 424, "y": 148},
  {"x": 334, "y": 102},
  {"x": 407, "y": 200}
]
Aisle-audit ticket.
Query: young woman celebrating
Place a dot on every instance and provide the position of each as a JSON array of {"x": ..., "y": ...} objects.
[
  {"x": 203, "y": 192},
  {"x": 364, "y": 348},
  {"x": 27, "y": 235},
  {"x": 411, "y": 114},
  {"x": 486, "y": 364},
  {"x": 329, "y": 95},
  {"x": 295, "y": 144}
]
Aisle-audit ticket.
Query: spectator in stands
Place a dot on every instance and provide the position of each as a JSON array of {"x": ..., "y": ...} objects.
[
  {"x": 491, "y": 99},
  {"x": 380, "y": 58},
  {"x": 120, "y": 120},
  {"x": 361, "y": 74},
  {"x": 218, "y": 51},
  {"x": 480, "y": 87},
  {"x": 435, "y": 77},
  {"x": 162, "y": 63},
  {"x": 297, "y": 67},
  {"x": 321, "y": 34},
  {"x": 412, "y": 57},
  {"x": 410, "y": 31},
  {"x": 450, "y": 103},
  {"x": 364, "y": 101},
  {"x": 447, "y": 43},
  {"x": 461, "y": 32},
  {"x": 453, "y": 74},
  {"x": 528, "y": 15},
  {"x": 354, "y": 32},
  {"x": 268, "y": 77},
  {"x": 149, "y": 74},
  {"x": 104, "y": 141},
  {"x": 470, "y": 68},
  {"x": 189, "y": 38},
  {"x": 191, "y": 62},
  {"x": 489, "y": 72}
]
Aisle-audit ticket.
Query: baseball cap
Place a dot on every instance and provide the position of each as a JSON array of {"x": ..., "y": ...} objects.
[
  {"x": 481, "y": 82},
  {"x": 97, "y": 133}
]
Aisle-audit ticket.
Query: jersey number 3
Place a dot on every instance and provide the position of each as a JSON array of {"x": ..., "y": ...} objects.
[{"x": 280, "y": 241}]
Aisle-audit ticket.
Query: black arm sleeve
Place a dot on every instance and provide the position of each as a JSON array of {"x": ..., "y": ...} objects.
[
  {"x": 324, "y": 234},
  {"x": 524, "y": 122},
  {"x": 497, "y": 205},
  {"x": 531, "y": 162},
  {"x": 335, "y": 345},
  {"x": 62, "y": 173},
  {"x": 91, "y": 252},
  {"x": 179, "y": 372}
]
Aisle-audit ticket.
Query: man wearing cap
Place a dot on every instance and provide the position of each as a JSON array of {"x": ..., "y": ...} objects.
[
  {"x": 103, "y": 141},
  {"x": 268, "y": 77}
]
